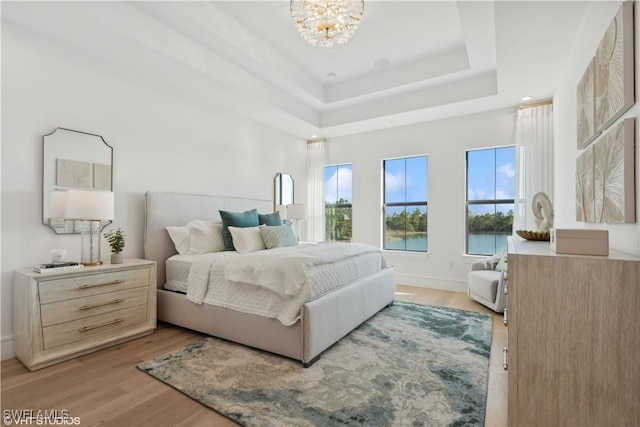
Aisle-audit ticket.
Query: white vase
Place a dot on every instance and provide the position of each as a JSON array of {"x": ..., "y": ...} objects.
[{"x": 117, "y": 258}]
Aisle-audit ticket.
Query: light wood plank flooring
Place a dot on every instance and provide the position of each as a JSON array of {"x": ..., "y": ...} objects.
[{"x": 105, "y": 388}]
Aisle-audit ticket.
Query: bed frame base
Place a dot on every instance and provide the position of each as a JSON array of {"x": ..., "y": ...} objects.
[{"x": 324, "y": 320}]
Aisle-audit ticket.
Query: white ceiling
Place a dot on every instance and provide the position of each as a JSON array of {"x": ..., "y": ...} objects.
[{"x": 408, "y": 62}]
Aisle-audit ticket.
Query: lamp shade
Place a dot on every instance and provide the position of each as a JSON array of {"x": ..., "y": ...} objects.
[
  {"x": 89, "y": 205},
  {"x": 295, "y": 211}
]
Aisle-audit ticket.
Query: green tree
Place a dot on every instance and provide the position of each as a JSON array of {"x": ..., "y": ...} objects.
[
  {"x": 491, "y": 223},
  {"x": 338, "y": 220},
  {"x": 415, "y": 222}
]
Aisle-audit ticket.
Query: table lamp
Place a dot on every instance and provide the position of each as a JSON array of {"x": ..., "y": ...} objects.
[
  {"x": 296, "y": 213},
  {"x": 88, "y": 209}
]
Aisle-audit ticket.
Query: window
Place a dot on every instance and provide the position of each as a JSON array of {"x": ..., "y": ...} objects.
[
  {"x": 337, "y": 203},
  {"x": 490, "y": 194},
  {"x": 405, "y": 204}
]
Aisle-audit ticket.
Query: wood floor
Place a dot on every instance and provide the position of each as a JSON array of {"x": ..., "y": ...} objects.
[{"x": 105, "y": 388}]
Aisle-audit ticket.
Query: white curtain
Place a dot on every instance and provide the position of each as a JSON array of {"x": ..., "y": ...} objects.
[
  {"x": 315, "y": 190},
  {"x": 534, "y": 161}
]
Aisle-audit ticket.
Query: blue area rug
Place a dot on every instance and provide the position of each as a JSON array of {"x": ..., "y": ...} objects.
[{"x": 409, "y": 365}]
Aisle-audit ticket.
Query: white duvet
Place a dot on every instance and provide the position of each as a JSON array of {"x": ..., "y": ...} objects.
[{"x": 274, "y": 283}]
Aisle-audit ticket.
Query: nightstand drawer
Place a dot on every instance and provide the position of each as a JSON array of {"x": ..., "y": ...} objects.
[
  {"x": 92, "y": 284},
  {"x": 65, "y": 314},
  {"x": 79, "y": 308},
  {"x": 112, "y": 323}
]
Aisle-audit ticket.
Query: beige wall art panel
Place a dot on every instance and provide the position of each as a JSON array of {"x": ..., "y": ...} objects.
[
  {"x": 101, "y": 176},
  {"x": 614, "y": 73},
  {"x": 613, "y": 174},
  {"x": 584, "y": 186},
  {"x": 586, "y": 102},
  {"x": 73, "y": 173}
]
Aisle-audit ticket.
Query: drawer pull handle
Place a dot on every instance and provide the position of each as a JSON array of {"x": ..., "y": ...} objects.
[
  {"x": 505, "y": 352},
  {"x": 115, "y": 282},
  {"x": 506, "y": 318},
  {"x": 88, "y": 328},
  {"x": 88, "y": 307}
]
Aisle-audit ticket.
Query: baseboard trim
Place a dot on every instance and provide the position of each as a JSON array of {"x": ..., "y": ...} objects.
[
  {"x": 6, "y": 346},
  {"x": 445, "y": 284}
]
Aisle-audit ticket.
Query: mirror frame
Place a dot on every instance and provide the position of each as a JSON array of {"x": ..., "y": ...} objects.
[
  {"x": 87, "y": 165},
  {"x": 280, "y": 191}
]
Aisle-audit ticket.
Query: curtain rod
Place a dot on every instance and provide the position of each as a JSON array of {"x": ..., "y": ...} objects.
[{"x": 535, "y": 104}]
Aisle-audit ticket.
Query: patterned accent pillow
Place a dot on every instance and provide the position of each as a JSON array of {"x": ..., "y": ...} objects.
[
  {"x": 278, "y": 236},
  {"x": 502, "y": 262}
]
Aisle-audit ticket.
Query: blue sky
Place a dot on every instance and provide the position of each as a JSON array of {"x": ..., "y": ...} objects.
[
  {"x": 483, "y": 182},
  {"x": 337, "y": 183},
  {"x": 406, "y": 180},
  {"x": 491, "y": 175}
]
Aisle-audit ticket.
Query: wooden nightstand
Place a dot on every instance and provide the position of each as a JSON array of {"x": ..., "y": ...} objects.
[{"x": 59, "y": 316}]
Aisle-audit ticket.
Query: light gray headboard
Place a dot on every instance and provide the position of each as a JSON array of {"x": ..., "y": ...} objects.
[{"x": 177, "y": 209}]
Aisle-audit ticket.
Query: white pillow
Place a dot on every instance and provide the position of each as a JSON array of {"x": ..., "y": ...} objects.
[
  {"x": 205, "y": 237},
  {"x": 181, "y": 239},
  {"x": 247, "y": 239}
]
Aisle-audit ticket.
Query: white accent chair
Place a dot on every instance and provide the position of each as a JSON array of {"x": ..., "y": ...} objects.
[{"x": 486, "y": 283}]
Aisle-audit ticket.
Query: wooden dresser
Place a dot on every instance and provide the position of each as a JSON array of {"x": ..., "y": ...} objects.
[
  {"x": 573, "y": 338},
  {"x": 58, "y": 316}
]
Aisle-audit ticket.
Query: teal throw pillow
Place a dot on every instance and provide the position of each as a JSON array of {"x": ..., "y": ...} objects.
[
  {"x": 236, "y": 219},
  {"x": 270, "y": 219},
  {"x": 278, "y": 236}
]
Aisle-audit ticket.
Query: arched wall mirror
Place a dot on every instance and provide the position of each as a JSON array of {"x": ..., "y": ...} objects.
[
  {"x": 283, "y": 190},
  {"x": 72, "y": 160}
]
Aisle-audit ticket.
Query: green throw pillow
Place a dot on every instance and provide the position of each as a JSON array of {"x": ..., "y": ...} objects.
[{"x": 237, "y": 219}]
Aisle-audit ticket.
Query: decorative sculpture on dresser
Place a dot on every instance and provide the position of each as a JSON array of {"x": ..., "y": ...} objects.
[{"x": 543, "y": 211}]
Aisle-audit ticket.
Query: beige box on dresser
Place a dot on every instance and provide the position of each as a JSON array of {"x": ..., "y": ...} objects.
[
  {"x": 59, "y": 316},
  {"x": 579, "y": 242},
  {"x": 573, "y": 337}
]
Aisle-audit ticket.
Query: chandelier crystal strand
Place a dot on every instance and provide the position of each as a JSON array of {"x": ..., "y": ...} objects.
[{"x": 326, "y": 23}]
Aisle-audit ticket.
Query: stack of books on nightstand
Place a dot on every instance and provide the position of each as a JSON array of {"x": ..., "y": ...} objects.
[{"x": 57, "y": 267}]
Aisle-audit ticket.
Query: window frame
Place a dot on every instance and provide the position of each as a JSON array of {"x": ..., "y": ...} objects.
[
  {"x": 495, "y": 202},
  {"x": 338, "y": 205},
  {"x": 404, "y": 204}
]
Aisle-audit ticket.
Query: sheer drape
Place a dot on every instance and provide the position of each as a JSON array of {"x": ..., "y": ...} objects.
[
  {"x": 315, "y": 190},
  {"x": 534, "y": 161}
]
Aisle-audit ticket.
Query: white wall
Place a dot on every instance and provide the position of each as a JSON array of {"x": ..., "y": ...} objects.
[
  {"x": 162, "y": 140},
  {"x": 169, "y": 139},
  {"x": 445, "y": 142},
  {"x": 623, "y": 237}
]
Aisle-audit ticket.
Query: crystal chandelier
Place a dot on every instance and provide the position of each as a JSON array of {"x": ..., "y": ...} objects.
[{"x": 326, "y": 23}]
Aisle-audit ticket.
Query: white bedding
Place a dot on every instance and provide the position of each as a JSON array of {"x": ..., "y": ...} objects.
[{"x": 273, "y": 283}]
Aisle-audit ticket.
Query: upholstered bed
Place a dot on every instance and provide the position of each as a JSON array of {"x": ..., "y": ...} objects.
[{"x": 321, "y": 321}]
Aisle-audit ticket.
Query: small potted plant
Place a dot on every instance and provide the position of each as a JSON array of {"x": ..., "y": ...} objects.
[{"x": 116, "y": 241}]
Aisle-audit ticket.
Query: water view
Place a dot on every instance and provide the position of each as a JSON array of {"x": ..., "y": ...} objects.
[{"x": 479, "y": 243}]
